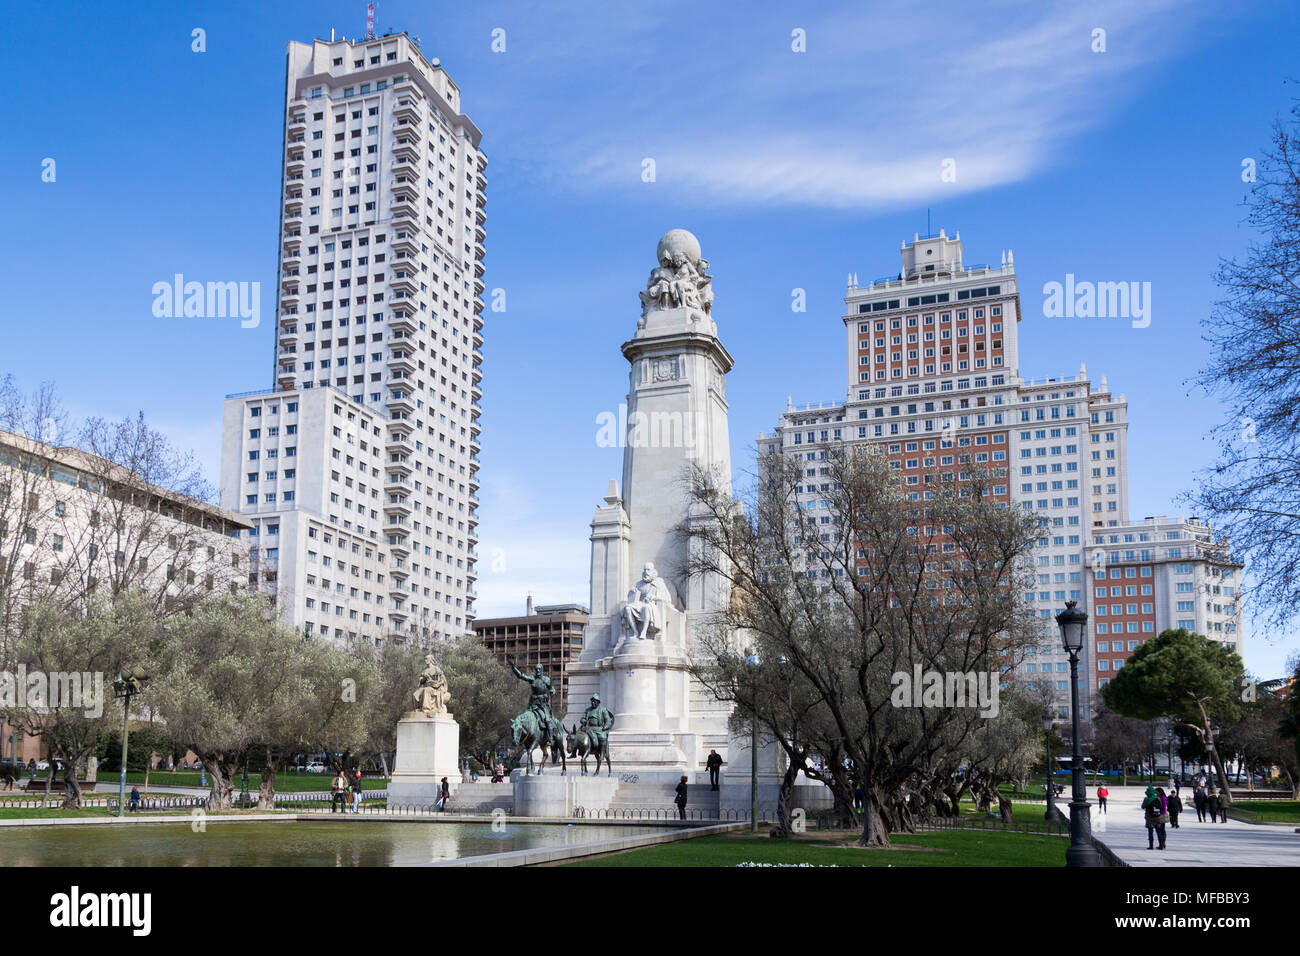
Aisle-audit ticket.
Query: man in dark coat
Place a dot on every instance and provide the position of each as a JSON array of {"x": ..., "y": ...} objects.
[
  {"x": 680, "y": 799},
  {"x": 714, "y": 764}
]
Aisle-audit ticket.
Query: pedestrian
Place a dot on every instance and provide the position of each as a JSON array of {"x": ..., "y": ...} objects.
[
  {"x": 444, "y": 794},
  {"x": 9, "y": 778},
  {"x": 499, "y": 773},
  {"x": 1225, "y": 801},
  {"x": 31, "y": 769},
  {"x": 339, "y": 789},
  {"x": 680, "y": 799},
  {"x": 1198, "y": 799},
  {"x": 1175, "y": 808},
  {"x": 1212, "y": 804},
  {"x": 356, "y": 791},
  {"x": 1153, "y": 807},
  {"x": 135, "y": 799},
  {"x": 859, "y": 798},
  {"x": 1102, "y": 793},
  {"x": 714, "y": 764}
]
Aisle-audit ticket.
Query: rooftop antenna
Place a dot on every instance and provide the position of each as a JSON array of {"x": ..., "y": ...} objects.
[
  {"x": 927, "y": 220},
  {"x": 370, "y": 21}
]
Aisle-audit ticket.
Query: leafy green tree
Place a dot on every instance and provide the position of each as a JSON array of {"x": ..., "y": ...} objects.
[
  {"x": 1187, "y": 677},
  {"x": 232, "y": 677},
  {"x": 110, "y": 637},
  {"x": 484, "y": 695}
]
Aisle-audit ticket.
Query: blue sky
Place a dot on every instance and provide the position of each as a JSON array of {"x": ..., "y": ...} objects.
[{"x": 793, "y": 169}]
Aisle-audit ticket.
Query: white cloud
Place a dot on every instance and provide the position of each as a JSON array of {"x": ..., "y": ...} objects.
[{"x": 864, "y": 118}]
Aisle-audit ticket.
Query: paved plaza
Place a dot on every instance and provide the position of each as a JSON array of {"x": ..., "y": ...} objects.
[{"x": 1122, "y": 828}]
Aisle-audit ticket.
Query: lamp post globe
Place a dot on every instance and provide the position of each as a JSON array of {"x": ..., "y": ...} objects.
[{"x": 1074, "y": 624}]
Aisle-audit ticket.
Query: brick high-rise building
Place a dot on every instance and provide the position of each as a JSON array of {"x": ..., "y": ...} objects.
[
  {"x": 359, "y": 467},
  {"x": 934, "y": 378}
]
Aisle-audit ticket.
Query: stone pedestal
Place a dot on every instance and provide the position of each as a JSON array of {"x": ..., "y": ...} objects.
[
  {"x": 554, "y": 795},
  {"x": 427, "y": 750}
]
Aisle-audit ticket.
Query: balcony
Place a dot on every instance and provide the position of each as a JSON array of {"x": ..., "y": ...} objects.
[
  {"x": 289, "y": 334},
  {"x": 406, "y": 191},
  {"x": 286, "y": 380},
  {"x": 406, "y": 150},
  {"x": 294, "y": 166},
  {"x": 401, "y": 508},
  {"x": 407, "y": 110},
  {"x": 401, "y": 362},
  {"x": 398, "y": 484},
  {"x": 400, "y": 402},
  {"x": 406, "y": 244},
  {"x": 399, "y": 445},
  {"x": 403, "y": 283},
  {"x": 406, "y": 167},
  {"x": 399, "y": 465},
  {"x": 399, "y": 546},
  {"x": 402, "y": 322},
  {"x": 404, "y": 208},
  {"x": 408, "y": 129}
]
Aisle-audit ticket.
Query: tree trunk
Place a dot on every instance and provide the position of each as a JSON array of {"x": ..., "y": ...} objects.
[
  {"x": 71, "y": 789},
  {"x": 220, "y": 794},
  {"x": 874, "y": 831},
  {"x": 383, "y": 766},
  {"x": 781, "y": 830},
  {"x": 1004, "y": 808}
]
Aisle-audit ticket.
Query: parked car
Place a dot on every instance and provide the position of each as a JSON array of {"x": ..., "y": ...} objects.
[
  {"x": 314, "y": 767},
  {"x": 42, "y": 765}
]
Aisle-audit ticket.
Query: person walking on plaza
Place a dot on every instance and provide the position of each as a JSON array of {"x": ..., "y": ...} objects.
[
  {"x": 135, "y": 799},
  {"x": 444, "y": 794},
  {"x": 1224, "y": 803},
  {"x": 714, "y": 764},
  {"x": 338, "y": 790},
  {"x": 1102, "y": 793},
  {"x": 680, "y": 799},
  {"x": 356, "y": 791},
  {"x": 499, "y": 774},
  {"x": 1155, "y": 814},
  {"x": 1212, "y": 804},
  {"x": 1175, "y": 807},
  {"x": 1198, "y": 800},
  {"x": 9, "y": 778}
]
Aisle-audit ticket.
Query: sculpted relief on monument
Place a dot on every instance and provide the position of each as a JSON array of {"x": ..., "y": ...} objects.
[
  {"x": 680, "y": 279},
  {"x": 649, "y": 603}
]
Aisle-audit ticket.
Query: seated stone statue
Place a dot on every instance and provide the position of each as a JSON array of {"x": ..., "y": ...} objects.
[
  {"x": 433, "y": 694},
  {"x": 646, "y": 611}
]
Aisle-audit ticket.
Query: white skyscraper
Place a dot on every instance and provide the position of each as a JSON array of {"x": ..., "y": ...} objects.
[{"x": 358, "y": 469}]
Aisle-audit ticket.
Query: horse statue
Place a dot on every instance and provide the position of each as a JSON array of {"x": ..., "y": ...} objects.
[
  {"x": 525, "y": 734},
  {"x": 579, "y": 743}
]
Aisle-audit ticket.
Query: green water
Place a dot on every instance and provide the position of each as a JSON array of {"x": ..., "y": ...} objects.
[{"x": 356, "y": 843}]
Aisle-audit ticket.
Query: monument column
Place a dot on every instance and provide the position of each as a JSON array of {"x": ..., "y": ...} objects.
[{"x": 644, "y": 604}]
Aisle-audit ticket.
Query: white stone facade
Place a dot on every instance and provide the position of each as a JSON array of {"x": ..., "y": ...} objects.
[
  {"x": 380, "y": 311},
  {"x": 677, "y": 418}
]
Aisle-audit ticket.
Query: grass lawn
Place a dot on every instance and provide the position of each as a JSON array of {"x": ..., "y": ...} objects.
[
  {"x": 1266, "y": 811},
  {"x": 945, "y": 848}
]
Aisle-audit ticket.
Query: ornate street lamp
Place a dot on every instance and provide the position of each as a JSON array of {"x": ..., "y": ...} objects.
[
  {"x": 1048, "y": 721},
  {"x": 1074, "y": 625},
  {"x": 126, "y": 686}
]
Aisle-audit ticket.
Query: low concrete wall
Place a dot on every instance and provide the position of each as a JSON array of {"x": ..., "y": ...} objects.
[{"x": 578, "y": 851}]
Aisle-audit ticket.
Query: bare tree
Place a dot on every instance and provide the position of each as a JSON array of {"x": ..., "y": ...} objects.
[
  {"x": 1253, "y": 491},
  {"x": 881, "y": 583}
]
